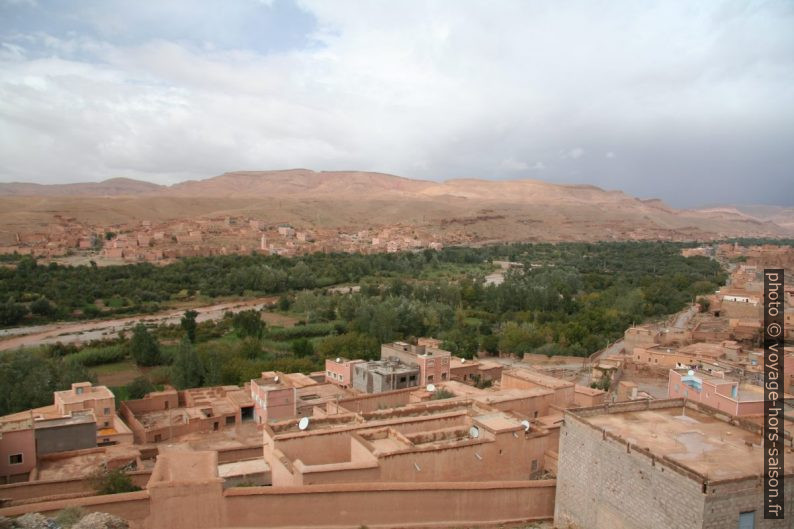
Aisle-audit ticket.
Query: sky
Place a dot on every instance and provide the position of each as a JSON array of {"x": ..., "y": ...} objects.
[{"x": 690, "y": 102}]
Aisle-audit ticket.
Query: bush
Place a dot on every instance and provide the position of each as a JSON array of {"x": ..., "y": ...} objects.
[
  {"x": 115, "y": 481},
  {"x": 442, "y": 394},
  {"x": 139, "y": 387},
  {"x": 91, "y": 356}
]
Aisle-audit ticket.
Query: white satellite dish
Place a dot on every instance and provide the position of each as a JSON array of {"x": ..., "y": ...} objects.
[
  {"x": 474, "y": 432},
  {"x": 338, "y": 360},
  {"x": 431, "y": 388},
  {"x": 525, "y": 424},
  {"x": 690, "y": 373},
  {"x": 303, "y": 423},
  {"x": 462, "y": 360},
  {"x": 275, "y": 379}
]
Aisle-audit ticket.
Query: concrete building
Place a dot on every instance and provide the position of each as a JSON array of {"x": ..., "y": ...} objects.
[
  {"x": 339, "y": 371},
  {"x": 671, "y": 463},
  {"x": 24, "y": 439},
  {"x": 100, "y": 401},
  {"x": 17, "y": 450},
  {"x": 384, "y": 375},
  {"x": 77, "y": 432},
  {"x": 433, "y": 363},
  {"x": 723, "y": 394}
]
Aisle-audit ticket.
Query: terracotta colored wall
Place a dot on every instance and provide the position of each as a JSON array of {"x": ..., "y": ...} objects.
[
  {"x": 17, "y": 442},
  {"x": 563, "y": 396},
  {"x": 31, "y": 490},
  {"x": 132, "y": 506},
  {"x": 398, "y": 505},
  {"x": 374, "y": 401},
  {"x": 709, "y": 396}
]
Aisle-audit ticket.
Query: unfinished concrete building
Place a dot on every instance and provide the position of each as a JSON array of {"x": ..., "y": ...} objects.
[
  {"x": 670, "y": 463},
  {"x": 384, "y": 375}
]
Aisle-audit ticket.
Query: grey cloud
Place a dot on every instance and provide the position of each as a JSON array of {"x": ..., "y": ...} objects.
[{"x": 688, "y": 102}]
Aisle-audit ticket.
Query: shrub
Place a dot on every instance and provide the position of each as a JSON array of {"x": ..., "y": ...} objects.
[{"x": 115, "y": 481}]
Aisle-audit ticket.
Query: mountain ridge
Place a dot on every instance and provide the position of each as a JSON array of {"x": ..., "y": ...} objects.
[{"x": 484, "y": 210}]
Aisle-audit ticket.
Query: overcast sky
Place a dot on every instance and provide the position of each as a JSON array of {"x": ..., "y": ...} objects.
[{"x": 692, "y": 102}]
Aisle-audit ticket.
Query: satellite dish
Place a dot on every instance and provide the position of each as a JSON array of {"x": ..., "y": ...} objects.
[
  {"x": 462, "y": 360},
  {"x": 474, "y": 432},
  {"x": 303, "y": 423},
  {"x": 690, "y": 373},
  {"x": 431, "y": 388},
  {"x": 338, "y": 360},
  {"x": 525, "y": 424},
  {"x": 275, "y": 379}
]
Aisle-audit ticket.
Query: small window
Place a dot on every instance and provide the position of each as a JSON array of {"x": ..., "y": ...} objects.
[
  {"x": 747, "y": 520},
  {"x": 158, "y": 437},
  {"x": 443, "y": 376},
  {"x": 430, "y": 378},
  {"x": 534, "y": 465},
  {"x": 536, "y": 414},
  {"x": 107, "y": 424},
  {"x": 230, "y": 420},
  {"x": 402, "y": 380},
  {"x": 15, "y": 459},
  {"x": 106, "y": 411}
]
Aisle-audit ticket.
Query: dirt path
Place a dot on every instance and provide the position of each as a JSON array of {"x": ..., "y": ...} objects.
[{"x": 102, "y": 329}]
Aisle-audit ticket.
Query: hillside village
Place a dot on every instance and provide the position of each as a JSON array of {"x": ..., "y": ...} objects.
[
  {"x": 422, "y": 423},
  {"x": 164, "y": 242}
]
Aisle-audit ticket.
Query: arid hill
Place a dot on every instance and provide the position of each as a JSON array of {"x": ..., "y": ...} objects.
[
  {"x": 111, "y": 187},
  {"x": 480, "y": 211}
]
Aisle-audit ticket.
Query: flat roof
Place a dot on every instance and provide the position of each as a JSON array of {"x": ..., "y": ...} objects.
[
  {"x": 89, "y": 393},
  {"x": 697, "y": 441},
  {"x": 539, "y": 378}
]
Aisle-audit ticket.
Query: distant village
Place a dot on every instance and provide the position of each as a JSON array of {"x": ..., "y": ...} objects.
[{"x": 146, "y": 241}]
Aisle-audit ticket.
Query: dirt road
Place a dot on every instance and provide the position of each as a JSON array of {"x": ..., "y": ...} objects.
[{"x": 102, "y": 329}]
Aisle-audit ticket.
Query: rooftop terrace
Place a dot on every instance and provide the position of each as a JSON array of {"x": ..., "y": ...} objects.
[{"x": 694, "y": 437}]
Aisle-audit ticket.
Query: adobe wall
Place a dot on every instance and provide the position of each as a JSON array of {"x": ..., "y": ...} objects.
[
  {"x": 390, "y": 505},
  {"x": 373, "y": 402},
  {"x": 41, "y": 490},
  {"x": 17, "y": 442},
  {"x": 132, "y": 506}
]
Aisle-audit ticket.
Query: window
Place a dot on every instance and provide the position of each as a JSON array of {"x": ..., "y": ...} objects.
[
  {"x": 429, "y": 378},
  {"x": 158, "y": 437},
  {"x": 747, "y": 520},
  {"x": 534, "y": 465},
  {"x": 107, "y": 424},
  {"x": 230, "y": 420},
  {"x": 536, "y": 414},
  {"x": 443, "y": 376},
  {"x": 106, "y": 411},
  {"x": 15, "y": 459},
  {"x": 402, "y": 380}
]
